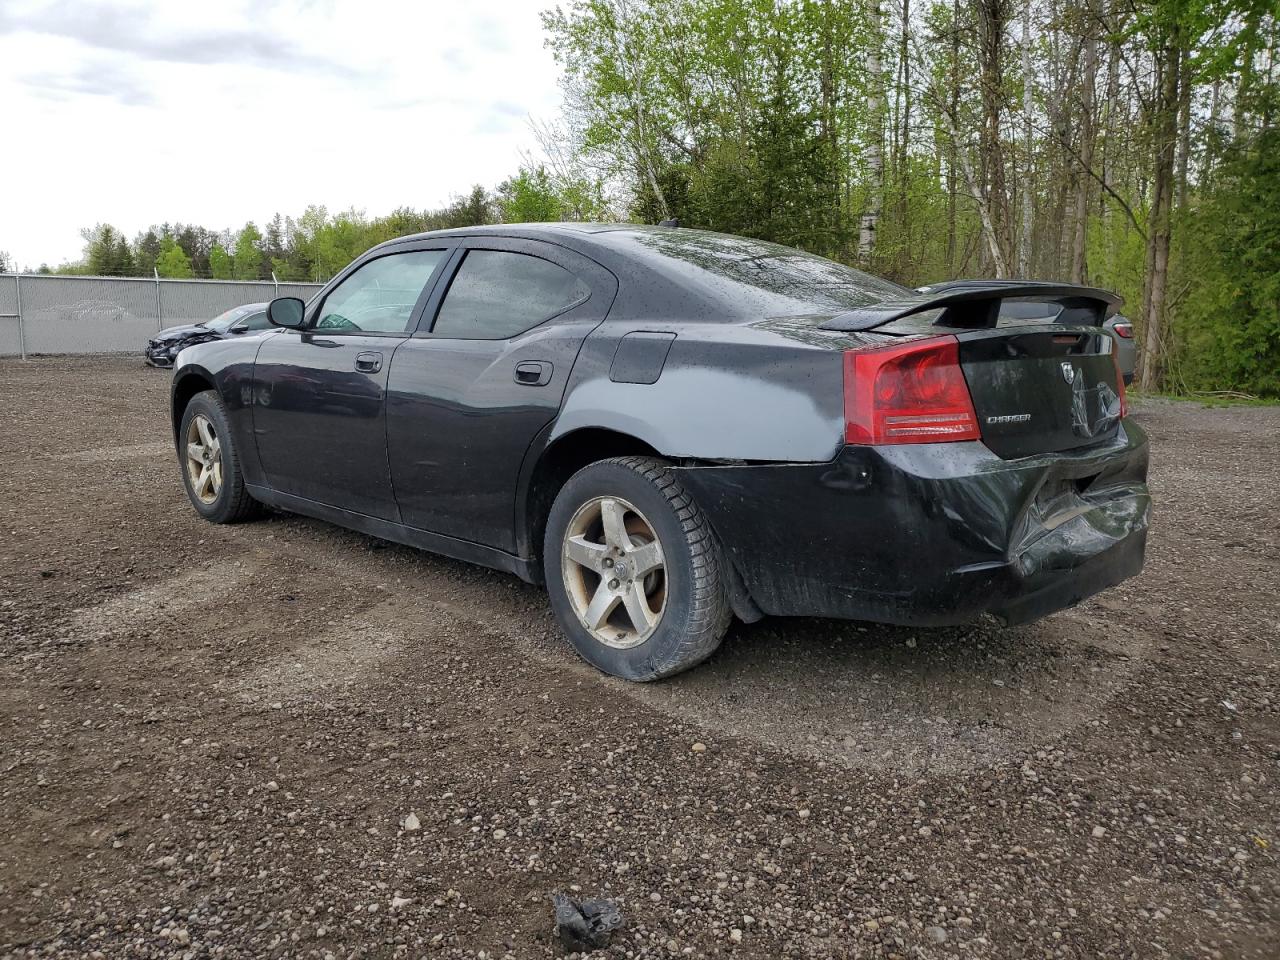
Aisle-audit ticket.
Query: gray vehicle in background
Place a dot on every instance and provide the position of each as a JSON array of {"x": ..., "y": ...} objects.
[
  {"x": 168, "y": 343},
  {"x": 1127, "y": 347}
]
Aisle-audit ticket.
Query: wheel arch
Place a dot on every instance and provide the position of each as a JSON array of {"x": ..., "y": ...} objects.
[
  {"x": 560, "y": 458},
  {"x": 186, "y": 384},
  {"x": 564, "y": 455}
]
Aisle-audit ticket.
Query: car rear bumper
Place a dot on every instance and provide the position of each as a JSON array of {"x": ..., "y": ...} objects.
[{"x": 932, "y": 534}]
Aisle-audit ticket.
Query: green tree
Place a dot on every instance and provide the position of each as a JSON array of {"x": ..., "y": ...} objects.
[
  {"x": 146, "y": 248},
  {"x": 248, "y": 259},
  {"x": 173, "y": 262},
  {"x": 221, "y": 266},
  {"x": 469, "y": 211},
  {"x": 107, "y": 253},
  {"x": 1229, "y": 327},
  {"x": 529, "y": 197}
]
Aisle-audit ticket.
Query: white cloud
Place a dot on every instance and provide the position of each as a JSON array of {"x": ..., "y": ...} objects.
[{"x": 137, "y": 113}]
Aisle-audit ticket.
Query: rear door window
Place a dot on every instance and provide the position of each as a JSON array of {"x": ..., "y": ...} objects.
[{"x": 497, "y": 294}]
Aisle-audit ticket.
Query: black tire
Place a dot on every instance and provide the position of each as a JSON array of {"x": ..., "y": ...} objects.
[
  {"x": 696, "y": 613},
  {"x": 232, "y": 503}
]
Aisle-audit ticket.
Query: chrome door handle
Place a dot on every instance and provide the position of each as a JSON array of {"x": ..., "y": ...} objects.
[{"x": 368, "y": 362}]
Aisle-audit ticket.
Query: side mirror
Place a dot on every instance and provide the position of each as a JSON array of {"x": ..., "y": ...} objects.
[{"x": 286, "y": 312}]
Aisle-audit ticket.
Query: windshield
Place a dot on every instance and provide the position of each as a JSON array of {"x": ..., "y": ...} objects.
[{"x": 223, "y": 321}]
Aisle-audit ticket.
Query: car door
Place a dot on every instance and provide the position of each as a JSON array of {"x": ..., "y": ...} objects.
[
  {"x": 485, "y": 372},
  {"x": 319, "y": 392}
]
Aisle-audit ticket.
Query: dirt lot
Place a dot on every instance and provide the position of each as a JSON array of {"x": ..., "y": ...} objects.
[{"x": 210, "y": 737}]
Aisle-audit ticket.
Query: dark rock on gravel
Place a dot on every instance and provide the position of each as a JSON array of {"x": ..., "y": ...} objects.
[{"x": 585, "y": 925}]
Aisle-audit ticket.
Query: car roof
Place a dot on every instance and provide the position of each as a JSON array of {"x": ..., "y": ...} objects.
[{"x": 677, "y": 272}]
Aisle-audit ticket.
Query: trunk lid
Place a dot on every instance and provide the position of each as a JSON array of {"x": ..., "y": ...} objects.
[
  {"x": 1039, "y": 365},
  {"x": 1041, "y": 390}
]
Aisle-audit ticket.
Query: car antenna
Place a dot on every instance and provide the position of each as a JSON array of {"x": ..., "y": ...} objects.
[{"x": 673, "y": 222}]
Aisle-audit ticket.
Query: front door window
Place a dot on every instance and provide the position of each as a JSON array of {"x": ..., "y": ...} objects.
[{"x": 379, "y": 297}]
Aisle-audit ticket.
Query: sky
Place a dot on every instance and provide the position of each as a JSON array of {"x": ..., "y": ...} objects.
[{"x": 137, "y": 113}]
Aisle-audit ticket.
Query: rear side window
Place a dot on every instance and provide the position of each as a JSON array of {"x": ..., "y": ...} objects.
[{"x": 496, "y": 295}]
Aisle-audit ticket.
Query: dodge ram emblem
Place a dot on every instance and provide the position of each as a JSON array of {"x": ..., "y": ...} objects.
[{"x": 1068, "y": 372}]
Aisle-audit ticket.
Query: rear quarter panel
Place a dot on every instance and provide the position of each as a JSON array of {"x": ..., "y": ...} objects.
[{"x": 769, "y": 390}]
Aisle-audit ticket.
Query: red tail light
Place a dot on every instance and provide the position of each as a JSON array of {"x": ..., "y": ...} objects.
[
  {"x": 1124, "y": 330},
  {"x": 913, "y": 392}
]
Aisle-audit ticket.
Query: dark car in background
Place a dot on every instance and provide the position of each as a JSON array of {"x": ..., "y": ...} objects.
[
  {"x": 671, "y": 427},
  {"x": 165, "y": 345},
  {"x": 1126, "y": 346}
]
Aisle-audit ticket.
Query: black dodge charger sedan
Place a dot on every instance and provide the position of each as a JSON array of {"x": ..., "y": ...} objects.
[{"x": 669, "y": 427}]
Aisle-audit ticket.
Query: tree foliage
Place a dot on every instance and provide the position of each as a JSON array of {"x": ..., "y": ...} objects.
[
  {"x": 247, "y": 262},
  {"x": 1128, "y": 145},
  {"x": 220, "y": 263},
  {"x": 1063, "y": 139},
  {"x": 173, "y": 262},
  {"x": 106, "y": 252}
]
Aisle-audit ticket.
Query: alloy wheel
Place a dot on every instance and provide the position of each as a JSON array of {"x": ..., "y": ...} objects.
[
  {"x": 614, "y": 572},
  {"x": 204, "y": 459}
]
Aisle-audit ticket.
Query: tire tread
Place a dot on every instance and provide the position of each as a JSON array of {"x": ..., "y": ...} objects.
[
  {"x": 711, "y": 613},
  {"x": 239, "y": 505}
]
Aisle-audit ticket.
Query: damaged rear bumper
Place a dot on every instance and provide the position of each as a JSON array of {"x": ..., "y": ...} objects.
[{"x": 931, "y": 534}]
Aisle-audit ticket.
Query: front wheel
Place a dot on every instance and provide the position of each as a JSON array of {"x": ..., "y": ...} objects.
[
  {"x": 211, "y": 463},
  {"x": 633, "y": 570}
]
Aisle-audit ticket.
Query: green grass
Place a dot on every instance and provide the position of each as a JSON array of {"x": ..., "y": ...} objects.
[{"x": 1212, "y": 400}]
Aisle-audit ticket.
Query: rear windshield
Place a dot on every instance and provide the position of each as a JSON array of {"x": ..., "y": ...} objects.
[{"x": 766, "y": 279}]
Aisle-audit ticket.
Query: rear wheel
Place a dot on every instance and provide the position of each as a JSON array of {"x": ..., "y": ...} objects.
[
  {"x": 633, "y": 570},
  {"x": 211, "y": 463}
]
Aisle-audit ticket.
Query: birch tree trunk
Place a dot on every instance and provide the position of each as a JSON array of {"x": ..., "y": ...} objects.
[
  {"x": 1165, "y": 124},
  {"x": 953, "y": 147},
  {"x": 1184, "y": 137},
  {"x": 992, "y": 17},
  {"x": 875, "y": 148},
  {"x": 635, "y": 93},
  {"x": 994, "y": 250},
  {"x": 1088, "y": 136},
  {"x": 1024, "y": 246}
]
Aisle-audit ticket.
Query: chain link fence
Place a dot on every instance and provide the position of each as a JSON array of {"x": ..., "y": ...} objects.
[{"x": 54, "y": 314}]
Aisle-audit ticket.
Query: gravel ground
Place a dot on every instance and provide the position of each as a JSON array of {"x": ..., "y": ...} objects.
[{"x": 284, "y": 739}]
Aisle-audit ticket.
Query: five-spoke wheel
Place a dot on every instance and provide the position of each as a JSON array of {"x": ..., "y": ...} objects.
[
  {"x": 633, "y": 570},
  {"x": 204, "y": 459},
  {"x": 211, "y": 463},
  {"x": 614, "y": 571}
]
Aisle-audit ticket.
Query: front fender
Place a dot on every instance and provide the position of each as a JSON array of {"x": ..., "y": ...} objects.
[{"x": 228, "y": 366}]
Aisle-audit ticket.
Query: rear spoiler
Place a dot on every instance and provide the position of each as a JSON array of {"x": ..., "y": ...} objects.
[{"x": 976, "y": 303}]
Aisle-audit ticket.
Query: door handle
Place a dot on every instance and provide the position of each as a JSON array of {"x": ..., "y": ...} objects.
[
  {"x": 534, "y": 373},
  {"x": 368, "y": 362}
]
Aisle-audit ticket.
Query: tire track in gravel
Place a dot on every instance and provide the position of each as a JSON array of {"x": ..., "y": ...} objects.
[
  {"x": 187, "y": 591},
  {"x": 883, "y": 698}
]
